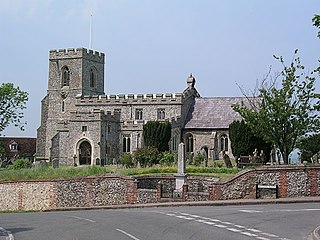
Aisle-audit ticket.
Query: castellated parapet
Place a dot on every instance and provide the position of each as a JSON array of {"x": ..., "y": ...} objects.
[
  {"x": 72, "y": 53},
  {"x": 132, "y": 99}
]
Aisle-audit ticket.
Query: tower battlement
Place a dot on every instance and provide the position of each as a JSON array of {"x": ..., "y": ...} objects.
[
  {"x": 71, "y": 53},
  {"x": 131, "y": 99}
]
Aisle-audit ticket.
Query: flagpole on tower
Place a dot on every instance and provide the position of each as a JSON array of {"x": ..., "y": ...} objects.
[{"x": 90, "y": 34}]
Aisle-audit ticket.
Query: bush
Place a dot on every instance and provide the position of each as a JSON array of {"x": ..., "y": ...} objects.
[
  {"x": 189, "y": 158},
  {"x": 217, "y": 164},
  {"x": 147, "y": 157},
  {"x": 168, "y": 159},
  {"x": 198, "y": 160},
  {"x": 21, "y": 163},
  {"x": 127, "y": 161}
]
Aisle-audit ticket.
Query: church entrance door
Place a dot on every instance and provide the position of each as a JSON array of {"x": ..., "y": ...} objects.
[{"x": 85, "y": 153}]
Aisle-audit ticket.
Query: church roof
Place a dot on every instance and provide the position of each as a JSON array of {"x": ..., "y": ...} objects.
[{"x": 212, "y": 113}]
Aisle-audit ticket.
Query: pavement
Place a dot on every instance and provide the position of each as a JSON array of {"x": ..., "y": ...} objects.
[
  {"x": 315, "y": 235},
  {"x": 5, "y": 235}
]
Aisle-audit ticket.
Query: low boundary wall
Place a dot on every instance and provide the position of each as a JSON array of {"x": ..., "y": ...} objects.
[{"x": 292, "y": 181}]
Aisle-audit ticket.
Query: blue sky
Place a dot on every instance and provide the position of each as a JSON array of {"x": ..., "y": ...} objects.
[{"x": 152, "y": 46}]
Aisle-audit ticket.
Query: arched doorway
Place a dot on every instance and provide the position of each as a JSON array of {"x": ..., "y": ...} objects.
[{"x": 85, "y": 153}]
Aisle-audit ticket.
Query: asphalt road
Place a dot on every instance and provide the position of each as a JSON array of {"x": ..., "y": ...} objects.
[{"x": 249, "y": 222}]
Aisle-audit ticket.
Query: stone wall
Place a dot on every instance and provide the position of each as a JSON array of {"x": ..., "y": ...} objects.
[
  {"x": 27, "y": 195},
  {"x": 147, "y": 196},
  {"x": 293, "y": 181}
]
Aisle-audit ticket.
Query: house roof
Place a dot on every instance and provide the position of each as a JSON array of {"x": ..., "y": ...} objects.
[
  {"x": 213, "y": 113},
  {"x": 26, "y": 147}
]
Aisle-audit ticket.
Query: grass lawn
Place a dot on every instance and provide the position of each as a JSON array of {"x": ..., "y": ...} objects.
[{"x": 65, "y": 172}]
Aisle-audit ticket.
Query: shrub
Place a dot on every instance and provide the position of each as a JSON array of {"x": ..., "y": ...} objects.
[
  {"x": 21, "y": 163},
  {"x": 217, "y": 164},
  {"x": 168, "y": 159},
  {"x": 198, "y": 160},
  {"x": 127, "y": 161},
  {"x": 189, "y": 158},
  {"x": 147, "y": 157}
]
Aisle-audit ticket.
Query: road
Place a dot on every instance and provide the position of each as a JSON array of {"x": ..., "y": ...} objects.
[{"x": 249, "y": 222}]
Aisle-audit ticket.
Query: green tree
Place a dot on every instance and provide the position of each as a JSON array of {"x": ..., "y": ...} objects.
[
  {"x": 157, "y": 134},
  {"x": 281, "y": 115},
  {"x": 309, "y": 146},
  {"x": 12, "y": 102},
  {"x": 316, "y": 22},
  {"x": 244, "y": 142}
]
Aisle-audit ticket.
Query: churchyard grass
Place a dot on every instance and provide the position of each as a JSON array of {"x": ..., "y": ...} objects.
[{"x": 64, "y": 172}]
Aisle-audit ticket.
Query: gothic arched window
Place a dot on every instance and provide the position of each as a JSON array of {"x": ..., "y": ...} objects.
[
  {"x": 189, "y": 143},
  {"x": 93, "y": 77},
  {"x": 224, "y": 144},
  {"x": 126, "y": 142},
  {"x": 65, "y": 77}
]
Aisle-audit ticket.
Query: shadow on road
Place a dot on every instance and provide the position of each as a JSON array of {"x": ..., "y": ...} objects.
[{"x": 16, "y": 230}]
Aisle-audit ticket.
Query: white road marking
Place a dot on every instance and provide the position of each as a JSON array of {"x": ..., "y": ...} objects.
[
  {"x": 239, "y": 226},
  {"x": 249, "y": 211},
  {"x": 127, "y": 234},
  {"x": 220, "y": 226},
  {"x": 270, "y": 235},
  {"x": 234, "y": 230},
  {"x": 251, "y": 232},
  {"x": 263, "y": 238},
  {"x": 184, "y": 217},
  {"x": 80, "y": 218},
  {"x": 279, "y": 210},
  {"x": 254, "y": 230}
]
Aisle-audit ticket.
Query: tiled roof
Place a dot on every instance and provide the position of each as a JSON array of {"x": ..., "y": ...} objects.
[
  {"x": 26, "y": 146},
  {"x": 213, "y": 113}
]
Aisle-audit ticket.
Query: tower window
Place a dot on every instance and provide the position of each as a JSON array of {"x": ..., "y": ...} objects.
[
  {"x": 84, "y": 128},
  {"x": 93, "y": 78},
  {"x": 138, "y": 114},
  {"x": 65, "y": 76},
  {"x": 62, "y": 106},
  {"x": 161, "y": 114}
]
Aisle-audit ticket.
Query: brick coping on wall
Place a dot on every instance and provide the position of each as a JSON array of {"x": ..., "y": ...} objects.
[
  {"x": 273, "y": 168},
  {"x": 269, "y": 168},
  {"x": 104, "y": 176}
]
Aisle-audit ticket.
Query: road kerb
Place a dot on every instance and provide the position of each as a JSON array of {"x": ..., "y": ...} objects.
[{"x": 315, "y": 234}]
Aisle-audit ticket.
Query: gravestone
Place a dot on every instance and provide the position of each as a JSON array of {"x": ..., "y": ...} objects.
[
  {"x": 272, "y": 156},
  {"x": 227, "y": 160},
  {"x": 181, "y": 176},
  {"x": 40, "y": 164},
  {"x": 55, "y": 163}
]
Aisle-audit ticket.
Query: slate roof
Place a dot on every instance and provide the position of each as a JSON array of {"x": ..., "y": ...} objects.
[{"x": 212, "y": 113}]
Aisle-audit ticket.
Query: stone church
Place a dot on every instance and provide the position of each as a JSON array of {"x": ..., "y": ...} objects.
[{"x": 82, "y": 125}]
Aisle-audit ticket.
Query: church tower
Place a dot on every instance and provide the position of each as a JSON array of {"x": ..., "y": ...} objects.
[
  {"x": 76, "y": 71},
  {"x": 72, "y": 72}
]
